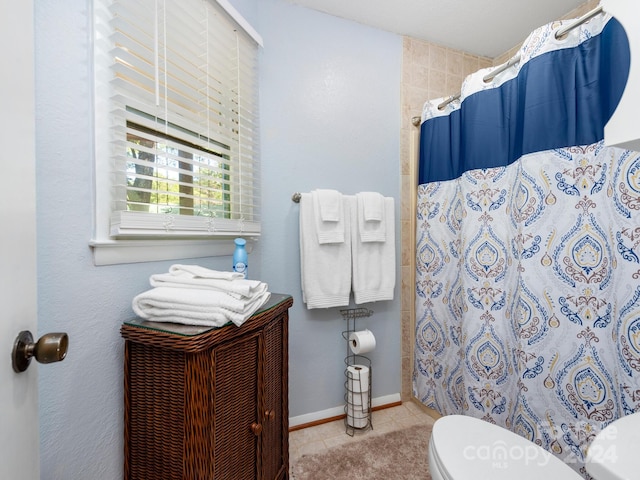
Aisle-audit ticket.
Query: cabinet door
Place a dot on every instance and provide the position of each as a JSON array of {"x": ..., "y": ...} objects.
[
  {"x": 275, "y": 452},
  {"x": 235, "y": 403}
]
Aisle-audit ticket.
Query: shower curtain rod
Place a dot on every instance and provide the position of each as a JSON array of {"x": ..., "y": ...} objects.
[{"x": 516, "y": 59}]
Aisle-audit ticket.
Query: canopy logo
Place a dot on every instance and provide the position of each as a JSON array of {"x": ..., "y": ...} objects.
[{"x": 500, "y": 455}]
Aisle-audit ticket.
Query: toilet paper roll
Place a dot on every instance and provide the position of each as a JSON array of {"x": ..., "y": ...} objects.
[
  {"x": 357, "y": 417},
  {"x": 359, "y": 399},
  {"x": 362, "y": 341},
  {"x": 357, "y": 378}
]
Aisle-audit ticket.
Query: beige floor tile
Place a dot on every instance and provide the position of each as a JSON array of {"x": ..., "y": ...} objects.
[
  {"x": 405, "y": 422},
  {"x": 413, "y": 408},
  {"x": 390, "y": 426},
  {"x": 320, "y": 437},
  {"x": 330, "y": 429},
  {"x": 391, "y": 414}
]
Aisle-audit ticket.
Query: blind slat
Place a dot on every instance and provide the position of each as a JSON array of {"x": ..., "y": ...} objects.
[{"x": 184, "y": 99}]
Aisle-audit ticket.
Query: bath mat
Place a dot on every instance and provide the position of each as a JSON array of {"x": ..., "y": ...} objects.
[{"x": 397, "y": 455}]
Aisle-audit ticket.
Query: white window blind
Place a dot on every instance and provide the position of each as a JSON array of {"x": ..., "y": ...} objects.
[{"x": 179, "y": 82}]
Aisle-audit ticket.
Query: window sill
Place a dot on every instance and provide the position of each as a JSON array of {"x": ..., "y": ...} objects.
[{"x": 114, "y": 252}]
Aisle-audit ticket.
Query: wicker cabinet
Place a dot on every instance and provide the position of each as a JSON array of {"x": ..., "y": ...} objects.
[{"x": 208, "y": 404}]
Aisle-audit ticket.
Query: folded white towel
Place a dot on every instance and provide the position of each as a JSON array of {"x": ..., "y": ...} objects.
[
  {"x": 201, "y": 272},
  {"x": 325, "y": 267},
  {"x": 374, "y": 263},
  {"x": 330, "y": 201},
  {"x": 373, "y": 206},
  {"x": 372, "y": 225},
  {"x": 192, "y": 306},
  {"x": 195, "y": 276}
]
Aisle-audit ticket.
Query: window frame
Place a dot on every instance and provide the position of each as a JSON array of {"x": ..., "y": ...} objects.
[{"x": 109, "y": 249}]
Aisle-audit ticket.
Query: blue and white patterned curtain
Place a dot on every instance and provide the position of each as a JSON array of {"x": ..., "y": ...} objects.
[{"x": 528, "y": 246}]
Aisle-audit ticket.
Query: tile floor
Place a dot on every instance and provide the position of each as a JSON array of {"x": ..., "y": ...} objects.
[{"x": 320, "y": 437}]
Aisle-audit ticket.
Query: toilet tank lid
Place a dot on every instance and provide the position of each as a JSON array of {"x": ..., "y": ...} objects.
[{"x": 468, "y": 447}]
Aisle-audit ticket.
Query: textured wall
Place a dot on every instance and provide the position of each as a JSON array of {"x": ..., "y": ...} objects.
[
  {"x": 330, "y": 96},
  {"x": 81, "y": 417},
  {"x": 330, "y": 116}
]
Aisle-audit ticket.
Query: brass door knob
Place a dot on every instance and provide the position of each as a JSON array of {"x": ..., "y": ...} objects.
[
  {"x": 270, "y": 414},
  {"x": 51, "y": 347}
]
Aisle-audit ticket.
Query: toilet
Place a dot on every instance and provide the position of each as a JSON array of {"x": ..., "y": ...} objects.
[
  {"x": 613, "y": 454},
  {"x": 467, "y": 448}
]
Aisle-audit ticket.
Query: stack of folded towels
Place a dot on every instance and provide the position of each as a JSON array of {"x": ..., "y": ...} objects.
[{"x": 195, "y": 295}]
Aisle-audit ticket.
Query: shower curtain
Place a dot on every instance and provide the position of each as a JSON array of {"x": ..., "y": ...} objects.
[{"x": 528, "y": 246}]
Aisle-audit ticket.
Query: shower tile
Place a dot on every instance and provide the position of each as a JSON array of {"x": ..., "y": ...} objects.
[
  {"x": 453, "y": 83},
  {"x": 469, "y": 64},
  {"x": 437, "y": 81},
  {"x": 415, "y": 97},
  {"x": 454, "y": 63},
  {"x": 437, "y": 57},
  {"x": 407, "y": 376},
  {"x": 406, "y": 206},
  {"x": 419, "y": 52},
  {"x": 406, "y": 329},
  {"x": 484, "y": 62},
  {"x": 418, "y": 76},
  {"x": 405, "y": 148},
  {"x": 406, "y": 253}
]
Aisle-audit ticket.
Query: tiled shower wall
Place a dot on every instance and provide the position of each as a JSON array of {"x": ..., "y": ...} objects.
[{"x": 428, "y": 71}]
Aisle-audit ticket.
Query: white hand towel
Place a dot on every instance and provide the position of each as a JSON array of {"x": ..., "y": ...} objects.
[
  {"x": 194, "y": 276},
  {"x": 331, "y": 231},
  {"x": 192, "y": 306},
  {"x": 325, "y": 268},
  {"x": 330, "y": 202},
  {"x": 374, "y": 263},
  {"x": 371, "y": 205}
]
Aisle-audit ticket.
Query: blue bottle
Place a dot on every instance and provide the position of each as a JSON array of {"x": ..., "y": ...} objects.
[{"x": 240, "y": 260}]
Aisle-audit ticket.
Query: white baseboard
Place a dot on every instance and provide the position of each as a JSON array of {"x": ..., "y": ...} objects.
[{"x": 337, "y": 411}]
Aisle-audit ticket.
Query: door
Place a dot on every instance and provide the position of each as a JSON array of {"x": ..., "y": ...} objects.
[
  {"x": 275, "y": 444},
  {"x": 236, "y": 398},
  {"x": 19, "y": 442}
]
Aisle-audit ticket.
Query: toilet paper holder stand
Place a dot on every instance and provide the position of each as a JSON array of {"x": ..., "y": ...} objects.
[{"x": 357, "y": 389}]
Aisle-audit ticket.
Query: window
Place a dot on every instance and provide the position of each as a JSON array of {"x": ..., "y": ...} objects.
[{"x": 177, "y": 150}]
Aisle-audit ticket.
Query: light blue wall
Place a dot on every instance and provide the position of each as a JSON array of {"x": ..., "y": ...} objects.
[
  {"x": 330, "y": 100},
  {"x": 249, "y": 10},
  {"x": 330, "y": 118}
]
